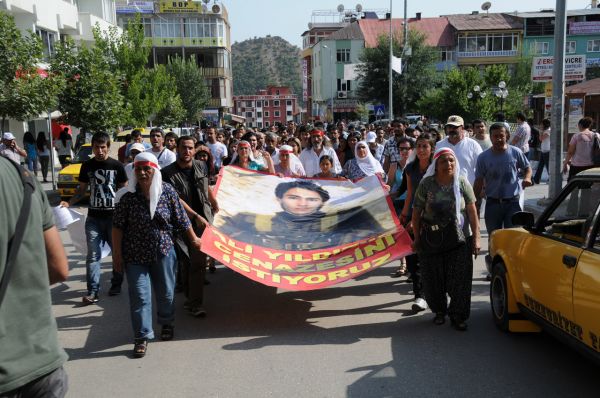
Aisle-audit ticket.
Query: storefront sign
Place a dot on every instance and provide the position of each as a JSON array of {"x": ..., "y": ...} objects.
[
  {"x": 584, "y": 28},
  {"x": 304, "y": 80},
  {"x": 182, "y": 7},
  {"x": 143, "y": 7},
  {"x": 542, "y": 68},
  {"x": 576, "y": 106}
]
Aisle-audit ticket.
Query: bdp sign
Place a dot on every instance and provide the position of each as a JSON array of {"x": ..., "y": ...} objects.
[
  {"x": 543, "y": 67},
  {"x": 180, "y": 7}
]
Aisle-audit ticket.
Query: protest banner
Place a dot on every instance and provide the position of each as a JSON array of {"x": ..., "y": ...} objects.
[{"x": 302, "y": 233}]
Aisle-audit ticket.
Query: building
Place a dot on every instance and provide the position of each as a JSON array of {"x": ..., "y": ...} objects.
[
  {"x": 54, "y": 21},
  {"x": 272, "y": 106},
  {"x": 189, "y": 29}
]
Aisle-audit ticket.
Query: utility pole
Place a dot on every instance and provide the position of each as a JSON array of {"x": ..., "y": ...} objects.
[{"x": 558, "y": 88}]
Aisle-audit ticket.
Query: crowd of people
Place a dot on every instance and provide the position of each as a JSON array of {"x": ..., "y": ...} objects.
[{"x": 162, "y": 190}]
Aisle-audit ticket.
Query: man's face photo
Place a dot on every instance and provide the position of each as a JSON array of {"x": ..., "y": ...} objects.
[{"x": 301, "y": 202}]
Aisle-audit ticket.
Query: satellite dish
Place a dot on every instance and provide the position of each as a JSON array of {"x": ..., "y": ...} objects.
[
  {"x": 216, "y": 9},
  {"x": 340, "y": 8},
  {"x": 206, "y": 1},
  {"x": 486, "y": 6},
  {"x": 310, "y": 25},
  {"x": 358, "y": 8}
]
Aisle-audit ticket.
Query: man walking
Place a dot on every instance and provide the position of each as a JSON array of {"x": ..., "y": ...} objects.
[
  {"x": 157, "y": 140},
  {"x": 104, "y": 175},
  {"x": 467, "y": 150},
  {"x": 522, "y": 134},
  {"x": 312, "y": 154},
  {"x": 218, "y": 150},
  {"x": 390, "y": 149},
  {"x": 189, "y": 177}
]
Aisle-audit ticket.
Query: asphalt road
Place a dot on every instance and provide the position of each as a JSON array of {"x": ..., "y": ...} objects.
[{"x": 357, "y": 339}]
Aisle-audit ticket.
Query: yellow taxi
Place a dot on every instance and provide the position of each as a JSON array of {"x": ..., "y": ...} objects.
[
  {"x": 145, "y": 133},
  {"x": 546, "y": 273},
  {"x": 68, "y": 178}
]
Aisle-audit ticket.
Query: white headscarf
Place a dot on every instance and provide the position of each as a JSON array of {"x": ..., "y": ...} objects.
[
  {"x": 250, "y": 153},
  {"x": 295, "y": 165},
  {"x": 369, "y": 165},
  {"x": 455, "y": 184},
  {"x": 145, "y": 159}
]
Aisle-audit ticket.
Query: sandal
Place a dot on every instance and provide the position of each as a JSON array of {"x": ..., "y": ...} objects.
[
  {"x": 166, "y": 333},
  {"x": 140, "y": 346}
]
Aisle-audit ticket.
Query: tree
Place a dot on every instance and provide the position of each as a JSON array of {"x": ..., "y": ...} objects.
[
  {"x": 24, "y": 91},
  {"x": 417, "y": 77},
  {"x": 91, "y": 98},
  {"x": 191, "y": 87}
]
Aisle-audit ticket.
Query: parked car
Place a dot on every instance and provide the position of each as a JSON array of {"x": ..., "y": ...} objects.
[
  {"x": 68, "y": 178},
  {"x": 546, "y": 273}
]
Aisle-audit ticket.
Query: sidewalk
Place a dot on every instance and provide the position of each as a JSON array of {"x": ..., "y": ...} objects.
[{"x": 536, "y": 198}]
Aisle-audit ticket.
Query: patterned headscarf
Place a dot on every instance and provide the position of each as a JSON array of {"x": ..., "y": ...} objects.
[{"x": 455, "y": 184}]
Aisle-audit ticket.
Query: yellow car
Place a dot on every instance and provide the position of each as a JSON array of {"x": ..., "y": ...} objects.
[
  {"x": 546, "y": 273},
  {"x": 68, "y": 178}
]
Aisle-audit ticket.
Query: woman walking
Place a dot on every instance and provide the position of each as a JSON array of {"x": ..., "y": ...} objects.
[
  {"x": 32, "y": 156},
  {"x": 147, "y": 216},
  {"x": 441, "y": 201},
  {"x": 43, "y": 149},
  {"x": 64, "y": 147}
]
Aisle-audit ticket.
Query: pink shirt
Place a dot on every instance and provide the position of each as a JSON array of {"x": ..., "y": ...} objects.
[{"x": 583, "y": 142}]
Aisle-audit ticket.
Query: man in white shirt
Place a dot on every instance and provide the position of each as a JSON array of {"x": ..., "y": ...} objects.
[
  {"x": 522, "y": 135},
  {"x": 467, "y": 150},
  {"x": 315, "y": 150},
  {"x": 217, "y": 149},
  {"x": 9, "y": 148},
  {"x": 157, "y": 140}
]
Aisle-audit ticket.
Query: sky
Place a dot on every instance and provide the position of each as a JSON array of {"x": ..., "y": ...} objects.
[{"x": 290, "y": 18}]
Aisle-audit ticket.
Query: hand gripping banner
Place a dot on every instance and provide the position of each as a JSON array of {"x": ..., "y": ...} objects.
[{"x": 302, "y": 233}]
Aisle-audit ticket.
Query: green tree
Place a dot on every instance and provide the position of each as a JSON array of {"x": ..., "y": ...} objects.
[
  {"x": 91, "y": 98},
  {"x": 191, "y": 87},
  {"x": 24, "y": 92},
  {"x": 418, "y": 75}
]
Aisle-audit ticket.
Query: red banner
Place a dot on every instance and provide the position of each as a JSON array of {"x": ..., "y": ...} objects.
[{"x": 303, "y": 234}]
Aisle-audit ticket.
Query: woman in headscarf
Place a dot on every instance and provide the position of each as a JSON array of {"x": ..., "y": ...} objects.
[
  {"x": 288, "y": 164},
  {"x": 363, "y": 165},
  {"x": 147, "y": 216},
  {"x": 442, "y": 200},
  {"x": 244, "y": 158}
]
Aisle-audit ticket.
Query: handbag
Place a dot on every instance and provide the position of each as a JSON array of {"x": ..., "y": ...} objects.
[
  {"x": 440, "y": 238},
  {"x": 596, "y": 149}
]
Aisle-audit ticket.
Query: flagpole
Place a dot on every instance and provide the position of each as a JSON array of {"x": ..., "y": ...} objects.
[{"x": 390, "y": 99}]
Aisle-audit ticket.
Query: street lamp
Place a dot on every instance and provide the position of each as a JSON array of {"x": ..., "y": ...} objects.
[
  {"x": 502, "y": 93},
  {"x": 476, "y": 93},
  {"x": 334, "y": 76}
]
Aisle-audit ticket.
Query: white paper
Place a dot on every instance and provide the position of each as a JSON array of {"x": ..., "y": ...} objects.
[
  {"x": 77, "y": 234},
  {"x": 64, "y": 216}
]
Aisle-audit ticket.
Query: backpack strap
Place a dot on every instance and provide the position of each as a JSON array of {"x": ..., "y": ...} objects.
[{"x": 17, "y": 239}]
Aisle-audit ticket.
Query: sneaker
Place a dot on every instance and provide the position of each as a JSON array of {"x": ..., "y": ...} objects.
[
  {"x": 419, "y": 305},
  {"x": 114, "y": 290},
  {"x": 89, "y": 299},
  {"x": 198, "y": 312}
]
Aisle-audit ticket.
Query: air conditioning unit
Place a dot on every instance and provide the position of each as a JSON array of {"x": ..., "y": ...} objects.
[{"x": 342, "y": 94}]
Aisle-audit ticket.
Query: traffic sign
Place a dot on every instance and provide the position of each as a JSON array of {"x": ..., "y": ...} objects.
[{"x": 379, "y": 110}]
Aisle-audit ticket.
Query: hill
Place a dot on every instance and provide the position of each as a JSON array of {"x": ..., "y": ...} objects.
[{"x": 260, "y": 62}]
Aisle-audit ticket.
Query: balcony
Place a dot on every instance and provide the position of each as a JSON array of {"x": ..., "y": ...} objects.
[
  {"x": 215, "y": 72},
  {"x": 482, "y": 54},
  {"x": 88, "y": 22},
  {"x": 188, "y": 41}
]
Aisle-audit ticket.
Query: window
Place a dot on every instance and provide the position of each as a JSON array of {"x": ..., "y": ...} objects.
[
  {"x": 258, "y": 114},
  {"x": 259, "y": 124},
  {"x": 343, "y": 85},
  {"x": 343, "y": 55},
  {"x": 266, "y": 103},
  {"x": 485, "y": 43},
  {"x": 277, "y": 114},
  {"x": 289, "y": 113},
  {"x": 48, "y": 39},
  {"x": 539, "y": 47},
  {"x": 593, "y": 45},
  {"x": 288, "y": 103},
  {"x": 446, "y": 54},
  {"x": 276, "y": 103},
  {"x": 259, "y": 104},
  {"x": 267, "y": 114},
  {"x": 167, "y": 27},
  {"x": 572, "y": 218},
  {"x": 248, "y": 114},
  {"x": 276, "y": 92},
  {"x": 267, "y": 124},
  {"x": 571, "y": 47}
]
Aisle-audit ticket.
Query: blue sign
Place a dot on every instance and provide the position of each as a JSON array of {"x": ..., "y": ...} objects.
[{"x": 379, "y": 110}]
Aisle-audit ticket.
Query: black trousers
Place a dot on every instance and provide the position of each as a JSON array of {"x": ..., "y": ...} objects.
[
  {"x": 52, "y": 385},
  {"x": 193, "y": 274},
  {"x": 412, "y": 266}
]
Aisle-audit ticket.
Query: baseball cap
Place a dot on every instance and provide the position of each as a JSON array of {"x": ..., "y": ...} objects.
[
  {"x": 8, "y": 136},
  {"x": 371, "y": 137},
  {"x": 137, "y": 147},
  {"x": 455, "y": 120}
]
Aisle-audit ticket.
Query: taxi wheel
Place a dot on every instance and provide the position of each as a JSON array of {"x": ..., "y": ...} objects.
[{"x": 499, "y": 296}]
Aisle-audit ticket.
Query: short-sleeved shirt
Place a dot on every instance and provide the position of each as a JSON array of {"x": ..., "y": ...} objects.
[
  {"x": 467, "y": 151},
  {"x": 104, "y": 178},
  {"x": 522, "y": 134},
  {"x": 218, "y": 151},
  {"x": 10, "y": 153},
  {"x": 29, "y": 345},
  {"x": 390, "y": 149},
  {"x": 583, "y": 142},
  {"x": 438, "y": 202},
  {"x": 144, "y": 239},
  {"x": 165, "y": 157},
  {"x": 310, "y": 160},
  {"x": 500, "y": 172}
]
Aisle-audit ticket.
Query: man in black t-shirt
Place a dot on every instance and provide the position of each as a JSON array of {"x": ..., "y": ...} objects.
[{"x": 104, "y": 176}]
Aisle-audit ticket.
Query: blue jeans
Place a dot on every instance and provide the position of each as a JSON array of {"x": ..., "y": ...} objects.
[
  {"x": 141, "y": 278},
  {"x": 499, "y": 215},
  {"x": 97, "y": 231}
]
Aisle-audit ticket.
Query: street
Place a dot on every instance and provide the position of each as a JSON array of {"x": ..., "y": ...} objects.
[{"x": 357, "y": 339}]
